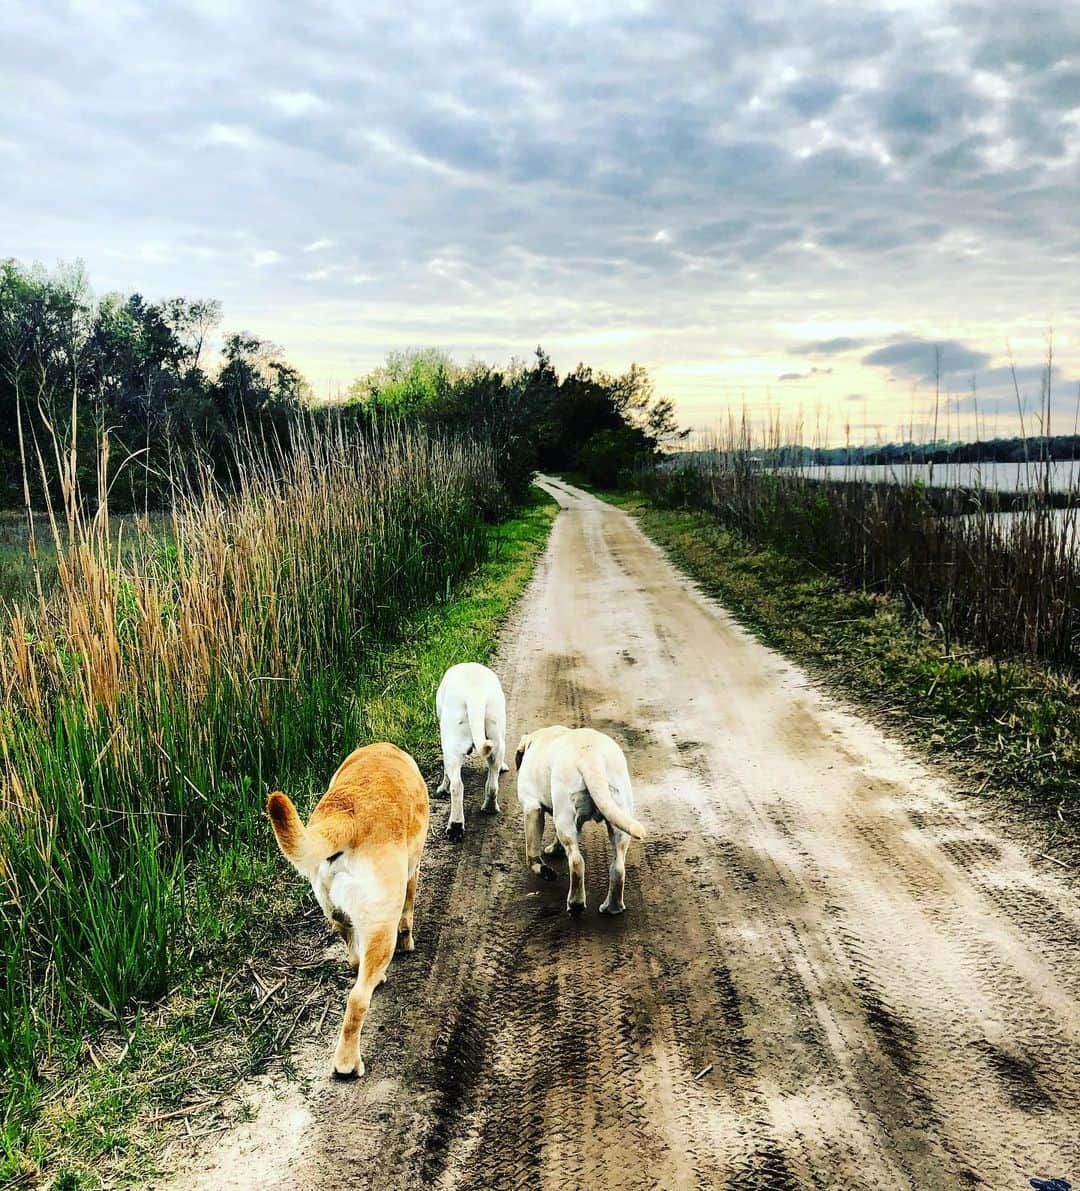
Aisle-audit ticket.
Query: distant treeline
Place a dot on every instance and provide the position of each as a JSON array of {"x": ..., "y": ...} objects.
[
  {"x": 1031, "y": 448},
  {"x": 75, "y": 368}
]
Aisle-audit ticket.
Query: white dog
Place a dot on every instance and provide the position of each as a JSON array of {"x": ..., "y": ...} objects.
[
  {"x": 576, "y": 775},
  {"x": 472, "y": 716}
]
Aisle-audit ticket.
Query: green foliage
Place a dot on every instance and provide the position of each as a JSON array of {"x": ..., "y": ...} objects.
[
  {"x": 609, "y": 458},
  {"x": 147, "y": 708},
  {"x": 239, "y": 902},
  {"x": 73, "y": 366},
  {"x": 590, "y": 421}
]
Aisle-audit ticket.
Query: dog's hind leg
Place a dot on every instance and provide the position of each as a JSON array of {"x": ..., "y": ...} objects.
[
  {"x": 620, "y": 842},
  {"x": 567, "y": 830},
  {"x": 376, "y": 958},
  {"x": 452, "y": 758},
  {"x": 405, "y": 925},
  {"x": 490, "y": 805},
  {"x": 534, "y": 838}
]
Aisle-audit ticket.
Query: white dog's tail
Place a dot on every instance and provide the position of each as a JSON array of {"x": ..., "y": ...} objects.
[
  {"x": 595, "y": 777},
  {"x": 476, "y": 707}
]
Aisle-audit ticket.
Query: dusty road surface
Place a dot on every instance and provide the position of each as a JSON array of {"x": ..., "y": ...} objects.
[{"x": 832, "y": 973}]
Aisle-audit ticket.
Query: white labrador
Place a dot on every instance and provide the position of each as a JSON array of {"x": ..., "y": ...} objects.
[
  {"x": 472, "y": 717},
  {"x": 574, "y": 775}
]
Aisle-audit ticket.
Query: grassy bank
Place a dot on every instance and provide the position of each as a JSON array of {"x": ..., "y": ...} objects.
[
  {"x": 1003, "y": 584},
  {"x": 105, "y": 1104},
  {"x": 1006, "y": 725}
]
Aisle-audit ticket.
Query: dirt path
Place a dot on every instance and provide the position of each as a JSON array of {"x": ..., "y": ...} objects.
[{"x": 831, "y": 973}]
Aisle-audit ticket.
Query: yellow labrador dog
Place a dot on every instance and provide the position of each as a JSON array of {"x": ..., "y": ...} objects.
[
  {"x": 361, "y": 852},
  {"x": 472, "y": 717},
  {"x": 574, "y": 775}
]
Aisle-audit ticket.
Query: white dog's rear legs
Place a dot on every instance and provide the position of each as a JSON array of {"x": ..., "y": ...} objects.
[
  {"x": 567, "y": 830},
  {"x": 490, "y": 805},
  {"x": 534, "y": 838},
  {"x": 620, "y": 842},
  {"x": 455, "y": 827}
]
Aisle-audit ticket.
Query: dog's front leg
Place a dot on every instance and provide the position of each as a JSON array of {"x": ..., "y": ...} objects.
[{"x": 534, "y": 838}]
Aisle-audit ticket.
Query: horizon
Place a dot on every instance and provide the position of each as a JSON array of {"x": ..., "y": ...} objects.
[{"x": 784, "y": 211}]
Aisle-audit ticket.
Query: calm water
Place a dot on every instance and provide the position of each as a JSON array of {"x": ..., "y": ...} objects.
[
  {"x": 1066, "y": 520},
  {"x": 1004, "y": 477}
]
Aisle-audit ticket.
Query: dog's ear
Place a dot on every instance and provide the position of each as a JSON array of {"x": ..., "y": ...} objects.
[{"x": 519, "y": 756}]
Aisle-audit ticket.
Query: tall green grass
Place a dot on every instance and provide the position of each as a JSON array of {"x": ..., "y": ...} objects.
[{"x": 147, "y": 705}]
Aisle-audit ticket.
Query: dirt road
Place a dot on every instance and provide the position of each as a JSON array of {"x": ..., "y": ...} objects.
[{"x": 831, "y": 974}]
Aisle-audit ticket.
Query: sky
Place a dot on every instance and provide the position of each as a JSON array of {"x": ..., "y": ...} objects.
[{"x": 789, "y": 208}]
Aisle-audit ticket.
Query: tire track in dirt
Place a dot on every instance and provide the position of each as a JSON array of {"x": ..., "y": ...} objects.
[{"x": 831, "y": 973}]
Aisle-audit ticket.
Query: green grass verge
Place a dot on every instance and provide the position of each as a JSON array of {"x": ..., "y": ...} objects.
[
  {"x": 1006, "y": 726},
  {"x": 103, "y": 1113}
]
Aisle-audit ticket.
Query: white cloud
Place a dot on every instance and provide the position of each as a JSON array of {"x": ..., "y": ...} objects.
[
  {"x": 297, "y": 103},
  {"x": 589, "y": 201},
  {"x": 229, "y": 136}
]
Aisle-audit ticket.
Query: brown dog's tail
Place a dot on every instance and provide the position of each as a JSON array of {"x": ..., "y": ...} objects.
[{"x": 298, "y": 845}]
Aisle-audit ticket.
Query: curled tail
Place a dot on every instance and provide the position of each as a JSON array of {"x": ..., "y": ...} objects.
[
  {"x": 475, "y": 708},
  {"x": 300, "y": 847},
  {"x": 595, "y": 778}
]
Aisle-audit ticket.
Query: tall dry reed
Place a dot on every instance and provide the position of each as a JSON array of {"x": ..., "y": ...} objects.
[
  {"x": 148, "y": 703},
  {"x": 1007, "y": 581}
]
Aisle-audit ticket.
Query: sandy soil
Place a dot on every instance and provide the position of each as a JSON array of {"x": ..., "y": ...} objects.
[{"x": 832, "y": 973}]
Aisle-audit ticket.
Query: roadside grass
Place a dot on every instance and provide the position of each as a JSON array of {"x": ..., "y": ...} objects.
[
  {"x": 1006, "y": 726},
  {"x": 109, "y": 1107}
]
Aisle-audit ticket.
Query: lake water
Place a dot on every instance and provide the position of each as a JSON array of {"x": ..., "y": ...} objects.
[
  {"x": 1003, "y": 477},
  {"x": 1066, "y": 520}
]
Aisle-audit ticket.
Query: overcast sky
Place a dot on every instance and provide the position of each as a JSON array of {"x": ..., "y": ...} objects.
[{"x": 784, "y": 205}]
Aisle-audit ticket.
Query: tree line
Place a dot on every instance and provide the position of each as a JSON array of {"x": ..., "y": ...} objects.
[{"x": 154, "y": 379}]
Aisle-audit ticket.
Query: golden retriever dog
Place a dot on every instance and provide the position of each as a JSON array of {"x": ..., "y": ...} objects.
[
  {"x": 361, "y": 852},
  {"x": 574, "y": 775}
]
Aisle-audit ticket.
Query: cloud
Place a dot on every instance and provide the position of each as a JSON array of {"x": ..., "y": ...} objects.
[
  {"x": 828, "y": 347},
  {"x": 700, "y": 175},
  {"x": 922, "y": 359},
  {"x": 805, "y": 375},
  {"x": 294, "y": 104}
]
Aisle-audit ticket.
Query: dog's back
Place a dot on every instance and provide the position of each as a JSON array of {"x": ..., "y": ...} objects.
[{"x": 376, "y": 798}]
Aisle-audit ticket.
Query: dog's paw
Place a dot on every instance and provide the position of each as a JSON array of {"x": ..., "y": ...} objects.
[
  {"x": 455, "y": 831},
  {"x": 609, "y": 907}
]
